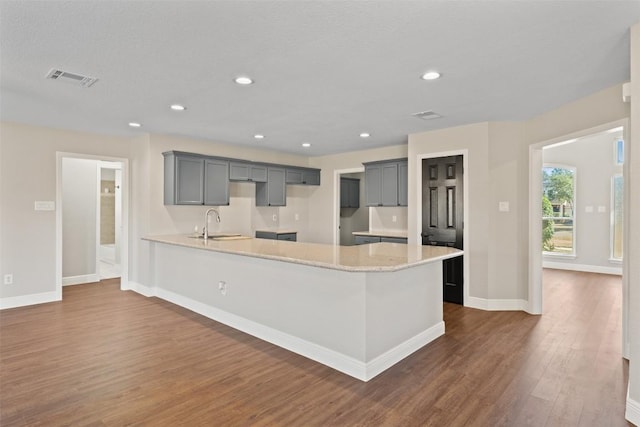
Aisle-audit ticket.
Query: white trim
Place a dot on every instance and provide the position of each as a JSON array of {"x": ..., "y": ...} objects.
[
  {"x": 23, "y": 300},
  {"x": 363, "y": 371},
  {"x": 497, "y": 304},
  {"x": 79, "y": 280},
  {"x": 466, "y": 240},
  {"x": 582, "y": 267},
  {"x": 336, "y": 200},
  {"x": 144, "y": 290},
  {"x": 632, "y": 413}
]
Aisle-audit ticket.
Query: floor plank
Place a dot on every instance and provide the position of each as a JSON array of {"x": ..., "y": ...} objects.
[{"x": 107, "y": 357}]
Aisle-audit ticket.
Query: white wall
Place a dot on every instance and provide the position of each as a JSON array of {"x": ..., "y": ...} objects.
[
  {"x": 593, "y": 158},
  {"x": 79, "y": 216},
  {"x": 633, "y": 248},
  {"x": 27, "y": 174}
]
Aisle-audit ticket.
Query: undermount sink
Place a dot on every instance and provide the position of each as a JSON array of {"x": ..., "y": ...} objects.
[{"x": 222, "y": 236}]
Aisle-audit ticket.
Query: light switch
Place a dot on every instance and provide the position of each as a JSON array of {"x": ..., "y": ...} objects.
[
  {"x": 44, "y": 205},
  {"x": 503, "y": 206},
  {"x": 588, "y": 209},
  {"x": 602, "y": 209}
]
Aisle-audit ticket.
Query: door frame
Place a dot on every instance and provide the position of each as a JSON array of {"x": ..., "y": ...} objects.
[
  {"x": 124, "y": 261},
  {"x": 103, "y": 164},
  {"x": 465, "y": 216},
  {"x": 336, "y": 200},
  {"x": 536, "y": 303}
]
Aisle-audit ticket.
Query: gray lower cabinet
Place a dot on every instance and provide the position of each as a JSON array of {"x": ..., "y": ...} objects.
[
  {"x": 363, "y": 240},
  {"x": 273, "y": 192},
  {"x": 386, "y": 183},
  {"x": 274, "y": 235},
  {"x": 349, "y": 193},
  {"x": 239, "y": 171}
]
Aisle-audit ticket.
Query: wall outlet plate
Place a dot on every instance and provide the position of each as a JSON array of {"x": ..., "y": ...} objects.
[{"x": 8, "y": 279}]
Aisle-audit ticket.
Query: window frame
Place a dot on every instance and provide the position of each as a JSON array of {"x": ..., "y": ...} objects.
[
  {"x": 574, "y": 169},
  {"x": 612, "y": 229}
]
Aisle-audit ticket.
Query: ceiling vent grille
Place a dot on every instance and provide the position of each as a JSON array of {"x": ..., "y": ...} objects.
[
  {"x": 73, "y": 78},
  {"x": 427, "y": 115}
]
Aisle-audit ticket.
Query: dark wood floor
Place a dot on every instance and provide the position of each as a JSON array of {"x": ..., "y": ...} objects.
[{"x": 106, "y": 357}]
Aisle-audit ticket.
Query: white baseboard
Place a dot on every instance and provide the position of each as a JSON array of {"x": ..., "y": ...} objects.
[
  {"x": 79, "y": 280},
  {"x": 23, "y": 300},
  {"x": 582, "y": 267},
  {"x": 497, "y": 304},
  {"x": 632, "y": 414},
  {"x": 396, "y": 354},
  {"x": 147, "y": 291},
  {"x": 338, "y": 361}
]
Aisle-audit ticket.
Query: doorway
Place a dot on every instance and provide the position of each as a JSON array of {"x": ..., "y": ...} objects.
[
  {"x": 80, "y": 193},
  {"x": 354, "y": 216},
  {"x": 442, "y": 217},
  {"x": 589, "y": 209}
]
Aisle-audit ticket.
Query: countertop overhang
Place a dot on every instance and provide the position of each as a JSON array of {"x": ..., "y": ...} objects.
[{"x": 375, "y": 257}]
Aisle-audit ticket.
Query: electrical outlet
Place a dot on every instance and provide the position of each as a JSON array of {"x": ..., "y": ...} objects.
[
  {"x": 222, "y": 286},
  {"x": 275, "y": 217},
  {"x": 8, "y": 279},
  {"x": 394, "y": 218},
  {"x": 297, "y": 217}
]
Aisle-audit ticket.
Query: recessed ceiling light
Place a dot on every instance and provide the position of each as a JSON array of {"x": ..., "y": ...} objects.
[
  {"x": 431, "y": 75},
  {"x": 243, "y": 80},
  {"x": 364, "y": 135},
  {"x": 306, "y": 144},
  {"x": 258, "y": 136},
  {"x": 134, "y": 124},
  {"x": 178, "y": 107}
]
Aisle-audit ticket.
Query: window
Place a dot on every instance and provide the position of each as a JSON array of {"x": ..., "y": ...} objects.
[
  {"x": 617, "y": 215},
  {"x": 619, "y": 147},
  {"x": 558, "y": 221}
]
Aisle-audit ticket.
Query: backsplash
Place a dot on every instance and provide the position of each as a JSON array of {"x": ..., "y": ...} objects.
[{"x": 382, "y": 218}]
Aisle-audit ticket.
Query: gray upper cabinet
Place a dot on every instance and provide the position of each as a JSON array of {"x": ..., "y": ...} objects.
[
  {"x": 191, "y": 179},
  {"x": 273, "y": 192},
  {"x": 183, "y": 179},
  {"x": 216, "y": 182},
  {"x": 239, "y": 171},
  {"x": 301, "y": 176},
  {"x": 386, "y": 183},
  {"x": 349, "y": 193},
  {"x": 403, "y": 183}
]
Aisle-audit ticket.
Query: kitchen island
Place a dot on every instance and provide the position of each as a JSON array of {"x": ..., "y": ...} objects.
[{"x": 357, "y": 309}]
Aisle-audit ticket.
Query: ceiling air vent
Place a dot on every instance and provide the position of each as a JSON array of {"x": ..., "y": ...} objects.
[
  {"x": 73, "y": 78},
  {"x": 427, "y": 115}
]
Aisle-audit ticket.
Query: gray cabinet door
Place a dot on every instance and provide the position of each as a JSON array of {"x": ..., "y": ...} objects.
[
  {"x": 273, "y": 192},
  {"x": 389, "y": 184},
  {"x": 247, "y": 172},
  {"x": 188, "y": 180},
  {"x": 216, "y": 182},
  {"x": 403, "y": 184},
  {"x": 373, "y": 185},
  {"x": 393, "y": 240},
  {"x": 311, "y": 177},
  {"x": 294, "y": 176},
  {"x": 363, "y": 240},
  {"x": 349, "y": 193}
]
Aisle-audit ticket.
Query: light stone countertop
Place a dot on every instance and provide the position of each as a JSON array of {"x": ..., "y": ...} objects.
[
  {"x": 278, "y": 230},
  {"x": 402, "y": 234},
  {"x": 375, "y": 257}
]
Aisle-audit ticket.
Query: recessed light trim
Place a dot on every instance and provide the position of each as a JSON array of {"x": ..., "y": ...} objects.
[
  {"x": 258, "y": 136},
  {"x": 178, "y": 107},
  {"x": 365, "y": 135},
  {"x": 135, "y": 124},
  {"x": 431, "y": 75},
  {"x": 306, "y": 144},
  {"x": 243, "y": 80}
]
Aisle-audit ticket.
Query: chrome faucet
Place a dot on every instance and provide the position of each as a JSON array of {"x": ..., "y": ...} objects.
[{"x": 205, "y": 229}]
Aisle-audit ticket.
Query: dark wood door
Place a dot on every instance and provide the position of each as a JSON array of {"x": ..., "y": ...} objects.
[{"x": 442, "y": 214}]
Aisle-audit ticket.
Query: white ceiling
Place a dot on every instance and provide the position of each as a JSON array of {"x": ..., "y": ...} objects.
[{"x": 324, "y": 71}]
